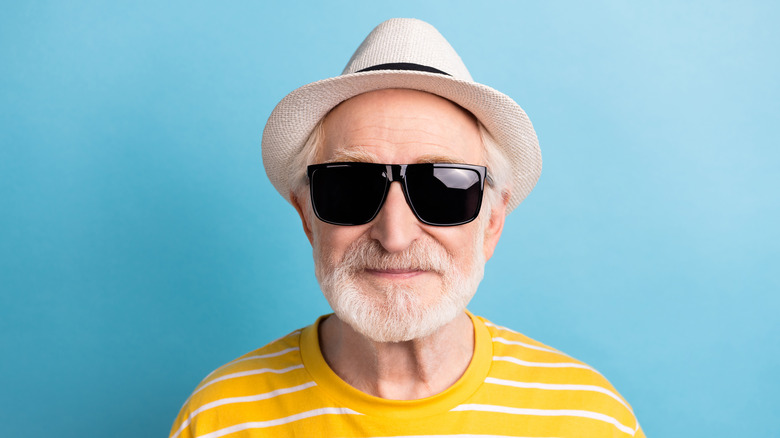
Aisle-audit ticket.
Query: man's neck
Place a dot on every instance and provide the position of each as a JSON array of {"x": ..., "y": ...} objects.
[{"x": 407, "y": 370}]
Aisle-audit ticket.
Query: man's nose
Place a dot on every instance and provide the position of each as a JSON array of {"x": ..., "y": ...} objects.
[{"x": 396, "y": 226}]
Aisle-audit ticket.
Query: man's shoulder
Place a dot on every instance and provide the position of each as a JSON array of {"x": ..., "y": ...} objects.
[
  {"x": 511, "y": 343},
  {"x": 260, "y": 369},
  {"x": 529, "y": 368},
  {"x": 256, "y": 378},
  {"x": 522, "y": 354}
]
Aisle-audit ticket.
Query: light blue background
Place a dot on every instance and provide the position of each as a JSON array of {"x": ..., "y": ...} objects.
[{"x": 141, "y": 244}]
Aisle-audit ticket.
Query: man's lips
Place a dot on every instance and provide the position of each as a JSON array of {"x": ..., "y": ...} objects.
[{"x": 395, "y": 274}]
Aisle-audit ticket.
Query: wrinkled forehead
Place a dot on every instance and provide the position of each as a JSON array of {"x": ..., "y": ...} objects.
[{"x": 401, "y": 127}]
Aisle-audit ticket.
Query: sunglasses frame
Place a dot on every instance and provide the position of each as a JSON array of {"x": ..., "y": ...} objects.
[{"x": 397, "y": 172}]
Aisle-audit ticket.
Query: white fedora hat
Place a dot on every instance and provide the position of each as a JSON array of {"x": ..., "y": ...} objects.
[{"x": 412, "y": 54}]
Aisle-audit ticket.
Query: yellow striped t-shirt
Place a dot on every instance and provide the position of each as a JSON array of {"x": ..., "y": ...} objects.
[{"x": 513, "y": 387}]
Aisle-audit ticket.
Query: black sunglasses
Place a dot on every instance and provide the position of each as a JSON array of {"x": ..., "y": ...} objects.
[{"x": 438, "y": 193}]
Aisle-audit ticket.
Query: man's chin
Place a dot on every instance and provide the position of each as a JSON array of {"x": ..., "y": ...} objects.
[
  {"x": 396, "y": 334},
  {"x": 398, "y": 323}
]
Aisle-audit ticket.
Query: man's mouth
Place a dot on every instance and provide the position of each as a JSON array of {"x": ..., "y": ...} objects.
[{"x": 395, "y": 274}]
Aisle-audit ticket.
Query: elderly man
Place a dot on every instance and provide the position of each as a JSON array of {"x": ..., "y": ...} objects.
[{"x": 402, "y": 170}]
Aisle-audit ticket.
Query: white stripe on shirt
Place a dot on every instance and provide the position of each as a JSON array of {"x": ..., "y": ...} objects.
[
  {"x": 556, "y": 386},
  {"x": 457, "y": 436},
  {"x": 244, "y": 399},
  {"x": 525, "y": 363},
  {"x": 248, "y": 373},
  {"x": 547, "y": 413},
  {"x": 279, "y": 421},
  {"x": 261, "y": 356},
  {"x": 523, "y": 344}
]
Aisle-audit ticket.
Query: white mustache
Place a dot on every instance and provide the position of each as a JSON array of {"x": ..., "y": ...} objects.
[{"x": 422, "y": 255}]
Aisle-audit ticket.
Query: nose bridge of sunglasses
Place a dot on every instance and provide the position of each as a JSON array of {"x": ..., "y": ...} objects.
[{"x": 394, "y": 172}]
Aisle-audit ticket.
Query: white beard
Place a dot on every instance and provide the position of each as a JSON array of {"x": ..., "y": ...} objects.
[{"x": 398, "y": 313}]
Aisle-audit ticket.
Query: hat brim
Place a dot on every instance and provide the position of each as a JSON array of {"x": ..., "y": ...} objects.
[{"x": 294, "y": 118}]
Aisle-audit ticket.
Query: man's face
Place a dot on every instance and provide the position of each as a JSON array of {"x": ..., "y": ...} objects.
[{"x": 395, "y": 278}]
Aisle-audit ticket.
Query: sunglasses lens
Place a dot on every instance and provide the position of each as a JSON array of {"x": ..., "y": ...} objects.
[
  {"x": 444, "y": 195},
  {"x": 347, "y": 195}
]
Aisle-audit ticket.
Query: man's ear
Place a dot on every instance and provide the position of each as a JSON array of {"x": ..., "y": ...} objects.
[
  {"x": 495, "y": 225},
  {"x": 304, "y": 217}
]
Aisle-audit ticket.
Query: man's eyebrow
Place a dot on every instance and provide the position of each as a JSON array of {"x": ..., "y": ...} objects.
[
  {"x": 363, "y": 156},
  {"x": 352, "y": 155},
  {"x": 433, "y": 158}
]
